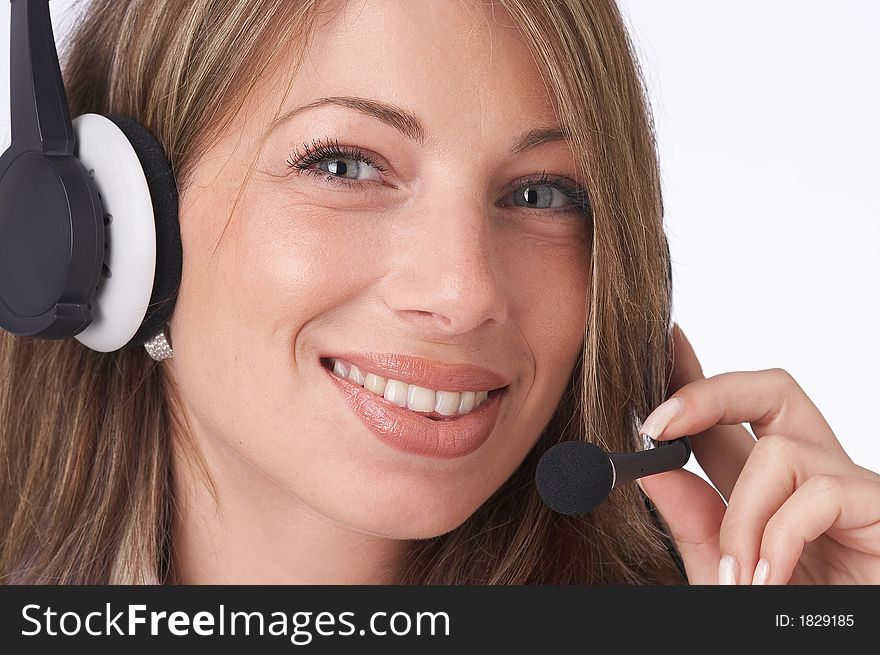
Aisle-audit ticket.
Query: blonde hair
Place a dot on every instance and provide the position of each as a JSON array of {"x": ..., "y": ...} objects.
[{"x": 86, "y": 437}]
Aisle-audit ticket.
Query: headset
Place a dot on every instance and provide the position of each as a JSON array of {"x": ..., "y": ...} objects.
[{"x": 89, "y": 233}]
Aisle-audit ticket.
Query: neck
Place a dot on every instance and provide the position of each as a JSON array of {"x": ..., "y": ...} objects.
[{"x": 249, "y": 531}]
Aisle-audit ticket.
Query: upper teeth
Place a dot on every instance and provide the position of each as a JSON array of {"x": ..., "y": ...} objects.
[{"x": 416, "y": 398}]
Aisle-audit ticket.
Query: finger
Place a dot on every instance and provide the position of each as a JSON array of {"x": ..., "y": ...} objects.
[
  {"x": 822, "y": 504},
  {"x": 776, "y": 467},
  {"x": 770, "y": 400},
  {"x": 693, "y": 511},
  {"x": 721, "y": 450}
]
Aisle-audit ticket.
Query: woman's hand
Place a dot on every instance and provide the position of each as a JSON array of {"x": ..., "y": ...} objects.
[{"x": 799, "y": 510}]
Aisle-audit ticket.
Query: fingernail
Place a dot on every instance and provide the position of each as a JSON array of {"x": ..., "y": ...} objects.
[
  {"x": 762, "y": 572},
  {"x": 727, "y": 570},
  {"x": 658, "y": 419}
]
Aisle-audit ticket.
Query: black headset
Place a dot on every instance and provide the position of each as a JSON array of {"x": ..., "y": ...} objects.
[{"x": 89, "y": 233}]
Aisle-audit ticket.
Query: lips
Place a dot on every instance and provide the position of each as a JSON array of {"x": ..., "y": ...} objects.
[{"x": 430, "y": 435}]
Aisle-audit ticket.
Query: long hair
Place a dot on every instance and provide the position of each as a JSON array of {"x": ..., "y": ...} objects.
[{"x": 86, "y": 438}]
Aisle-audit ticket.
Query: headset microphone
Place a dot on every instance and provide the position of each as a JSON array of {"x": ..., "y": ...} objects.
[
  {"x": 89, "y": 234},
  {"x": 574, "y": 477}
]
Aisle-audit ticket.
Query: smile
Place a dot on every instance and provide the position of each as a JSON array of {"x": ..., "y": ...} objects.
[
  {"x": 428, "y": 402},
  {"x": 382, "y": 391}
]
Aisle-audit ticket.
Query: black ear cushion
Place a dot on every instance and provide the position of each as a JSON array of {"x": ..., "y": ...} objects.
[{"x": 169, "y": 254}]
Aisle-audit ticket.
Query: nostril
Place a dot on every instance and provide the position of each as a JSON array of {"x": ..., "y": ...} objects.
[{"x": 426, "y": 315}]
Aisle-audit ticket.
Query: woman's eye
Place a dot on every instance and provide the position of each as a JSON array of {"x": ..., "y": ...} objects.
[
  {"x": 541, "y": 196},
  {"x": 352, "y": 167},
  {"x": 349, "y": 169}
]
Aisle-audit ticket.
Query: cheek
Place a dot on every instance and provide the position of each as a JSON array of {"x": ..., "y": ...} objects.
[
  {"x": 273, "y": 269},
  {"x": 246, "y": 296},
  {"x": 306, "y": 261},
  {"x": 550, "y": 284}
]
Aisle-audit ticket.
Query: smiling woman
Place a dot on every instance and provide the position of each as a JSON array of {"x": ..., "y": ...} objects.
[{"x": 422, "y": 243}]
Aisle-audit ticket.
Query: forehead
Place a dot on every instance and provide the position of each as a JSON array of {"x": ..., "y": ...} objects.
[{"x": 453, "y": 62}]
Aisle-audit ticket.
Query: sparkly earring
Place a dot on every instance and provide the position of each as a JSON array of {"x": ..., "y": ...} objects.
[{"x": 158, "y": 347}]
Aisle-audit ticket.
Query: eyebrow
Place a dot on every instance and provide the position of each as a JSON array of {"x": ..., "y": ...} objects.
[{"x": 411, "y": 127}]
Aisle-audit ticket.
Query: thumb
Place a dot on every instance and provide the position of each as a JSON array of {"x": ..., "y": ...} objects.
[{"x": 693, "y": 511}]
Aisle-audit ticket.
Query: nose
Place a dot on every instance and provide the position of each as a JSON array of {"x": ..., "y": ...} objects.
[{"x": 444, "y": 278}]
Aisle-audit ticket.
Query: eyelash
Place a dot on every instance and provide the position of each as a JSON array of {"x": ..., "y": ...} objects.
[
  {"x": 327, "y": 149},
  {"x": 330, "y": 149}
]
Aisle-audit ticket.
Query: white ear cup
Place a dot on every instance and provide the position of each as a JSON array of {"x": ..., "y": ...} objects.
[{"x": 123, "y": 294}]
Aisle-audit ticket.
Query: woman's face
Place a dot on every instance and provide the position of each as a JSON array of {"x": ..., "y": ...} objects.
[{"x": 425, "y": 250}]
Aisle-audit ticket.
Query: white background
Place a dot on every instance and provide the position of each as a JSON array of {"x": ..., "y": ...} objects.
[{"x": 766, "y": 117}]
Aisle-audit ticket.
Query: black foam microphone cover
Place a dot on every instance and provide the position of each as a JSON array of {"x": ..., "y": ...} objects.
[{"x": 574, "y": 477}]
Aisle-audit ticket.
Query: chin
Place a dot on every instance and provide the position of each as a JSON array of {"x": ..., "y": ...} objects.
[{"x": 411, "y": 517}]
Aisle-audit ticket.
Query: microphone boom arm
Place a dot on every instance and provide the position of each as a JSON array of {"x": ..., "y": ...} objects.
[{"x": 667, "y": 456}]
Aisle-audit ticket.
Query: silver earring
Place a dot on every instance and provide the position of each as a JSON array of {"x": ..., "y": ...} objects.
[{"x": 158, "y": 347}]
